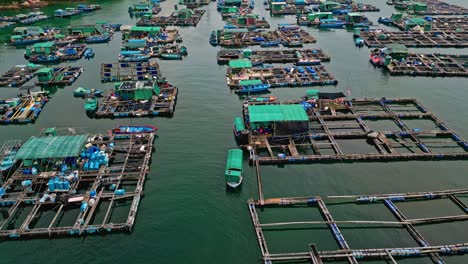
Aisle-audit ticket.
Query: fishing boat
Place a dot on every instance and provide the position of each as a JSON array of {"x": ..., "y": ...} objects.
[
  {"x": 213, "y": 38},
  {"x": 294, "y": 43},
  {"x": 44, "y": 59},
  {"x": 257, "y": 88},
  {"x": 266, "y": 44},
  {"x": 91, "y": 105},
  {"x": 88, "y": 8},
  {"x": 89, "y": 53},
  {"x": 262, "y": 99},
  {"x": 332, "y": 23},
  {"x": 134, "y": 58},
  {"x": 134, "y": 129},
  {"x": 98, "y": 39},
  {"x": 389, "y": 2},
  {"x": 233, "y": 173},
  {"x": 386, "y": 21},
  {"x": 376, "y": 58},
  {"x": 359, "y": 42},
  {"x": 307, "y": 62},
  {"x": 183, "y": 51},
  {"x": 171, "y": 56},
  {"x": 34, "y": 19},
  {"x": 82, "y": 92},
  {"x": 68, "y": 12}
]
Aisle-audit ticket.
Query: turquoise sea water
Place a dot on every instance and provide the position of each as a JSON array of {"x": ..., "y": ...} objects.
[{"x": 186, "y": 215}]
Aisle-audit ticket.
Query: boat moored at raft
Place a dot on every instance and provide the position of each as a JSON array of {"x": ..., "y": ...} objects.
[
  {"x": 82, "y": 92},
  {"x": 234, "y": 169},
  {"x": 134, "y": 129}
]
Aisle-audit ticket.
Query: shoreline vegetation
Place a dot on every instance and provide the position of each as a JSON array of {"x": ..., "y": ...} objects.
[{"x": 14, "y": 5}]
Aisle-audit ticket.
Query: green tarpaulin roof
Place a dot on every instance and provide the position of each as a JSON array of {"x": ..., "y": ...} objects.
[
  {"x": 239, "y": 64},
  {"x": 44, "y": 45},
  {"x": 270, "y": 113},
  {"x": 146, "y": 29},
  {"x": 51, "y": 147},
  {"x": 234, "y": 159},
  {"x": 250, "y": 82}
]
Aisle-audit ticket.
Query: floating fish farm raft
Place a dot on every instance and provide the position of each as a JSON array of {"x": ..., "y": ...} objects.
[
  {"x": 432, "y": 7},
  {"x": 75, "y": 185},
  {"x": 430, "y": 39},
  {"x": 58, "y": 76},
  {"x": 18, "y": 75},
  {"x": 355, "y": 130},
  {"x": 441, "y": 24},
  {"x": 194, "y": 3},
  {"x": 129, "y": 71},
  {"x": 297, "y": 56},
  {"x": 173, "y": 20},
  {"x": 282, "y": 77},
  {"x": 139, "y": 99},
  {"x": 288, "y": 37},
  {"x": 435, "y": 65},
  {"x": 25, "y": 109},
  {"x": 290, "y": 7},
  {"x": 256, "y": 23},
  {"x": 321, "y": 208}
]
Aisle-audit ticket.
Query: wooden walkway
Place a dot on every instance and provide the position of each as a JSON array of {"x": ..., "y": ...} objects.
[
  {"x": 129, "y": 71},
  {"x": 173, "y": 20},
  {"x": 128, "y": 167},
  {"x": 296, "y": 56},
  {"x": 446, "y": 39},
  {"x": 332, "y": 131},
  {"x": 435, "y": 65}
]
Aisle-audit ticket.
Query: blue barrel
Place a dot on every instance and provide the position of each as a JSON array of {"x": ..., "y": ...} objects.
[{"x": 51, "y": 185}]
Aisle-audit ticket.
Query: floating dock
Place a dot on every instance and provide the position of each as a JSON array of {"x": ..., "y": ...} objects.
[
  {"x": 296, "y": 76},
  {"x": 129, "y": 71},
  {"x": 139, "y": 99},
  {"x": 434, "y": 65},
  {"x": 296, "y": 56},
  {"x": 288, "y": 37},
  {"x": 432, "y": 7},
  {"x": 291, "y": 8},
  {"x": 331, "y": 130},
  {"x": 25, "y": 109},
  {"x": 78, "y": 52},
  {"x": 346, "y": 253},
  {"x": 253, "y": 22},
  {"x": 173, "y": 20},
  {"x": 440, "y": 24},
  {"x": 83, "y": 194},
  {"x": 381, "y": 38},
  {"x": 18, "y": 75},
  {"x": 191, "y": 4}
]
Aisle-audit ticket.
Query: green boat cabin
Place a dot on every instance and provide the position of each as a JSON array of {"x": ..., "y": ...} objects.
[{"x": 234, "y": 166}]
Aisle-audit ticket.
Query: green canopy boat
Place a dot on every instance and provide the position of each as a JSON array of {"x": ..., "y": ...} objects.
[
  {"x": 233, "y": 173},
  {"x": 91, "y": 105}
]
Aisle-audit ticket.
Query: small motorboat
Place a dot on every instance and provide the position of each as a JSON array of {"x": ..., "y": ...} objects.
[
  {"x": 44, "y": 59},
  {"x": 91, "y": 105},
  {"x": 213, "y": 39},
  {"x": 267, "y": 44},
  {"x": 183, "y": 51},
  {"x": 89, "y": 53},
  {"x": 234, "y": 168},
  {"x": 134, "y": 58},
  {"x": 171, "y": 56},
  {"x": 97, "y": 39},
  {"x": 134, "y": 129},
  {"x": 262, "y": 99},
  {"x": 359, "y": 42},
  {"x": 82, "y": 92}
]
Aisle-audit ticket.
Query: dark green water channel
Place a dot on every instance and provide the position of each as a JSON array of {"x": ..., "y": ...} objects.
[{"x": 186, "y": 215}]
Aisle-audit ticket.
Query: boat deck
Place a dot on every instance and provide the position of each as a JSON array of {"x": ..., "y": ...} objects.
[
  {"x": 283, "y": 77},
  {"x": 29, "y": 216},
  {"x": 297, "y": 56},
  {"x": 367, "y": 129},
  {"x": 173, "y": 20},
  {"x": 129, "y": 71},
  {"x": 435, "y": 65},
  {"x": 17, "y": 76},
  {"x": 416, "y": 39},
  {"x": 287, "y": 37},
  {"x": 161, "y": 105}
]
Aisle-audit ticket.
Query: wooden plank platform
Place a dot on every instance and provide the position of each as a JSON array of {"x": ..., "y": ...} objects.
[
  {"x": 173, "y": 20},
  {"x": 434, "y": 65},
  {"x": 296, "y": 56},
  {"x": 446, "y": 39},
  {"x": 17, "y": 76},
  {"x": 129, "y": 71},
  {"x": 435, "y": 7}
]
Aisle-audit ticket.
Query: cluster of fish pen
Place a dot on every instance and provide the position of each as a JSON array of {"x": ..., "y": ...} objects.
[
  {"x": 354, "y": 130},
  {"x": 23, "y": 109},
  {"x": 139, "y": 99},
  {"x": 430, "y": 7},
  {"x": 287, "y": 36},
  {"x": 296, "y": 76},
  {"x": 441, "y": 24},
  {"x": 58, "y": 76},
  {"x": 17, "y": 75},
  {"x": 296, "y": 56},
  {"x": 191, "y": 4},
  {"x": 75, "y": 185},
  {"x": 429, "y": 39},
  {"x": 129, "y": 71},
  {"x": 430, "y": 65},
  {"x": 321, "y": 217},
  {"x": 173, "y": 20},
  {"x": 293, "y": 7}
]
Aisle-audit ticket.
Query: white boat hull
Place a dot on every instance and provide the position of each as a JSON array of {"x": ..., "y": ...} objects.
[{"x": 234, "y": 184}]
